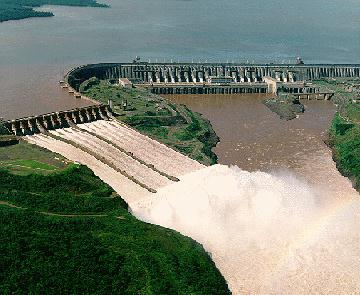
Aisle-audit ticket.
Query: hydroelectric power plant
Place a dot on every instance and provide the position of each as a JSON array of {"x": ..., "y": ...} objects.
[
  {"x": 235, "y": 214},
  {"x": 217, "y": 163}
]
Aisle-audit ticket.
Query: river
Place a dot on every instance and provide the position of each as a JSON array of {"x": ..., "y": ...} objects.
[
  {"x": 254, "y": 138},
  {"x": 280, "y": 232}
]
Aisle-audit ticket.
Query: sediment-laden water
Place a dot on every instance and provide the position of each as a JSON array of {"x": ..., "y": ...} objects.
[{"x": 291, "y": 230}]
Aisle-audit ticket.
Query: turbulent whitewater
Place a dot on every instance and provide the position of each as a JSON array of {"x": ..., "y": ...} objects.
[{"x": 267, "y": 234}]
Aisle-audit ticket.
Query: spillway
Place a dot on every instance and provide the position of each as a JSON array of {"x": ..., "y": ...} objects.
[
  {"x": 151, "y": 151},
  {"x": 132, "y": 163},
  {"x": 128, "y": 189}
]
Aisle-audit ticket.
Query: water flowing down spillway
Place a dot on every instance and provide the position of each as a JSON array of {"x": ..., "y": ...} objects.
[
  {"x": 132, "y": 163},
  {"x": 268, "y": 233}
]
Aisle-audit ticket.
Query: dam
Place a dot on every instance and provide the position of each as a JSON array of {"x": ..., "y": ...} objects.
[
  {"x": 146, "y": 164},
  {"x": 238, "y": 227},
  {"x": 210, "y": 78}
]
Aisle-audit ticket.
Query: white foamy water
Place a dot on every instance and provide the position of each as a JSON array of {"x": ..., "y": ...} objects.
[{"x": 267, "y": 234}]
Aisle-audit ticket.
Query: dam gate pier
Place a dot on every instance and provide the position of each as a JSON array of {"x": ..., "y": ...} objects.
[{"x": 62, "y": 119}]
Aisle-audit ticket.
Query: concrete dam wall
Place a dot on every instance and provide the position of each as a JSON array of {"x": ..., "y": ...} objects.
[{"x": 242, "y": 75}]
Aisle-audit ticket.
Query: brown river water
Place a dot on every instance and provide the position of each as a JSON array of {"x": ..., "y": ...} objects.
[
  {"x": 22, "y": 95},
  {"x": 254, "y": 138},
  {"x": 291, "y": 230}
]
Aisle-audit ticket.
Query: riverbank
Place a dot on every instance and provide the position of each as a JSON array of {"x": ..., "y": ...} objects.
[
  {"x": 344, "y": 134},
  {"x": 17, "y": 9},
  {"x": 71, "y": 233},
  {"x": 169, "y": 123}
]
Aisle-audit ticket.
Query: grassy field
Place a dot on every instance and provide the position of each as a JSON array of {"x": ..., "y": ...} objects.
[
  {"x": 172, "y": 124},
  {"x": 20, "y": 9},
  {"x": 344, "y": 136},
  {"x": 24, "y": 159},
  {"x": 63, "y": 231}
]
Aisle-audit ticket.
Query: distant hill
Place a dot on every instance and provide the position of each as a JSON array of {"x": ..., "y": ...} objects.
[{"x": 20, "y": 9}]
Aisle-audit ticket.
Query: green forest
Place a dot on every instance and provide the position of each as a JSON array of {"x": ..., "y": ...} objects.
[
  {"x": 345, "y": 142},
  {"x": 70, "y": 233},
  {"x": 344, "y": 134},
  {"x": 20, "y": 9}
]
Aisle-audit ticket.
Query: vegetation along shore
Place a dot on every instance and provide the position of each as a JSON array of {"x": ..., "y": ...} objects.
[
  {"x": 20, "y": 9},
  {"x": 344, "y": 135}
]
